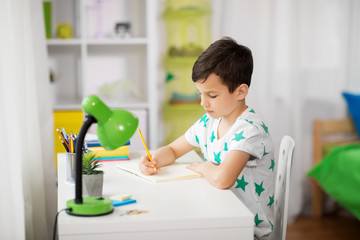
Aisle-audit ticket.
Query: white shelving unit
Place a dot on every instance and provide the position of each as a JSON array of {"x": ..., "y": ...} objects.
[{"x": 124, "y": 68}]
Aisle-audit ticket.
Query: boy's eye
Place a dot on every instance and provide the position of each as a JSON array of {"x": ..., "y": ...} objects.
[{"x": 212, "y": 96}]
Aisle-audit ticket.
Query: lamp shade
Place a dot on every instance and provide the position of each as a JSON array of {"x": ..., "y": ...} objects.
[{"x": 115, "y": 127}]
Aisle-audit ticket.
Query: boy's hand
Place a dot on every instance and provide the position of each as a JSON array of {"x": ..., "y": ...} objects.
[
  {"x": 197, "y": 167},
  {"x": 146, "y": 167}
]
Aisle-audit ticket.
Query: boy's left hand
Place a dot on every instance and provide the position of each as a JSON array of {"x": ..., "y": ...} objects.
[{"x": 196, "y": 167}]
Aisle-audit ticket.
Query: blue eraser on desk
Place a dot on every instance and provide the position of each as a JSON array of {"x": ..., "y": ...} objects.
[{"x": 117, "y": 203}]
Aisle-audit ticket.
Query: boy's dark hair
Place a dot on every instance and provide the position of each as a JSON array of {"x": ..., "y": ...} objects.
[{"x": 232, "y": 62}]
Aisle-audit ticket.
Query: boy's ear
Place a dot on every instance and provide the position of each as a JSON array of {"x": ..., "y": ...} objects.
[{"x": 242, "y": 91}]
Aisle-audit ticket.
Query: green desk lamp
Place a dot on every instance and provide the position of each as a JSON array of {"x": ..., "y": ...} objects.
[{"x": 115, "y": 127}]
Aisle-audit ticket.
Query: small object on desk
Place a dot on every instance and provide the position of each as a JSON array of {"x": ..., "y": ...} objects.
[
  {"x": 69, "y": 140},
  {"x": 63, "y": 139},
  {"x": 118, "y": 152},
  {"x": 120, "y": 197},
  {"x": 132, "y": 212},
  {"x": 146, "y": 148},
  {"x": 64, "y": 144},
  {"x": 120, "y": 203},
  {"x": 136, "y": 212},
  {"x": 93, "y": 143},
  {"x": 96, "y": 143},
  {"x": 70, "y": 168},
  {"x": 63, "y": 132},
  {"x": 109, "y": 159}
]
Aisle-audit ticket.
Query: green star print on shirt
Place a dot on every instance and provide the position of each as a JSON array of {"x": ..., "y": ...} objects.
[
  {"x": 212, "y": 138},
  {"x": 225, "y": 147},
  {"x": 217, "y": 157},
  {"x": 259, "y": 188},
  {"x": 251, "y": 122},
  {"x": 271, "y": 200},
  {"x": 272, "y": 165},
  {"x": 241, "y": 183},
  {"x": 265, "y": 153},
  {"x": 257, "y": 220},
  {"x": 265, "y": 127},
  {"x": 204, "y": 119},
  {"x": 197, "y": 139},
  {"x": 239, "y": 136}
]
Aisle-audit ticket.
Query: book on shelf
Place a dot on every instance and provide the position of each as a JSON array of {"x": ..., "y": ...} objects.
[
  {"x": 96, "y": 143},
  {"x": 119, "y": 154}
]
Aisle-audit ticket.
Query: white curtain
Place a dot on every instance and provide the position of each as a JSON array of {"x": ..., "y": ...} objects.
[
  {"x": 28, "y": 177},
  {"x": 306, "y": 52}
]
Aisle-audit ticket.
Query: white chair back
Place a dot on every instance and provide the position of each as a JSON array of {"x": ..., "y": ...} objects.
[{"x": 282, "y": 187}]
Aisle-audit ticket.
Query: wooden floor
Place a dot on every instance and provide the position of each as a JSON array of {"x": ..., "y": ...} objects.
[{"x": 333, "y": 227}]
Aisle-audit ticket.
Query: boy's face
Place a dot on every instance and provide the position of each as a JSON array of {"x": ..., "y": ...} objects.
[{"x": 216, "y": 98}]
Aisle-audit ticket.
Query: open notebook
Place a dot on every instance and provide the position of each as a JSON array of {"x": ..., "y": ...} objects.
[{"x": 173, "y": 172}]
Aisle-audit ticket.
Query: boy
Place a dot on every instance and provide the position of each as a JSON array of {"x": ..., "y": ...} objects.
[{"x": 235, "y": 142}]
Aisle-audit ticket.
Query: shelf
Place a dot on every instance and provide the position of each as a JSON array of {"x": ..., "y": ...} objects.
[
  {"x": 117, "y": 71},
  {"x": 186, "y": 13},
  {"x": 112, "y": 41},
  {"x": 63, "y": 42},
  {"x": 77, "y": 106},
  {"x": 67, "y": 107},
  {"x": 183, "y": 107},
  {"x": 121, "y": 71},
  {"x": 117, "y": 41},
  {"x": 180, "y": 60},
  {"x": 131, "y": 106}
]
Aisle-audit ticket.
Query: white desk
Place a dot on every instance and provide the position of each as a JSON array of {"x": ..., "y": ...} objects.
[{"x": 189, "y": 209}]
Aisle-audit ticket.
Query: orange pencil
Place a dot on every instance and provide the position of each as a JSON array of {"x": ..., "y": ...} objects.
[
  {"x": 146, "y": 148},
  {"x": 62, "y": 138},
  {"x": 66, "y": 148}
]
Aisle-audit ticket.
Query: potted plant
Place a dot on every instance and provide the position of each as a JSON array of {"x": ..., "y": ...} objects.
[{"x": 92, "y": 177}]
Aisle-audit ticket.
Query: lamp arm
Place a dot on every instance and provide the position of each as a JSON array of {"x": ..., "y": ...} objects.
[{"x": 88, "y": 121}]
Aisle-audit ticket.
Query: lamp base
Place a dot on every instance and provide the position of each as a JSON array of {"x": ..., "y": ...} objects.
[{"x": 91, "y": 206}]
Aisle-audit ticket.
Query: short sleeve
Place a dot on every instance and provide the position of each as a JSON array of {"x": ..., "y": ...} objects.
[{"x": 247, "y": 138}]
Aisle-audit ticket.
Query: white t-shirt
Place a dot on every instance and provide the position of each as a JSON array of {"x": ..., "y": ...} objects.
[{"x": 255, "y": 184}]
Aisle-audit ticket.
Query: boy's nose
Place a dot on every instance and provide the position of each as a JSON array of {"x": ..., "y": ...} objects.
[{"x": 204, "y": 103}]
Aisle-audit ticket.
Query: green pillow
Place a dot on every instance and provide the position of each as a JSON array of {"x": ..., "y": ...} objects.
[
  {"x": 339, "y": 176},
  {"x": 329, "y": 146}
]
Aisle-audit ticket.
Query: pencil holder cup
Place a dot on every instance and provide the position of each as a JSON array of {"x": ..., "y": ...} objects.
[{"x": 70, "y": 167}]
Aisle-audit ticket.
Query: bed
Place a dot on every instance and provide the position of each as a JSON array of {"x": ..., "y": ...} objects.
[{"x": 336, "y": 159}]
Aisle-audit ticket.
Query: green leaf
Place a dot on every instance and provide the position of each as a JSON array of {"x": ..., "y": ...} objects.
[{"x": 90, "y": 165}]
